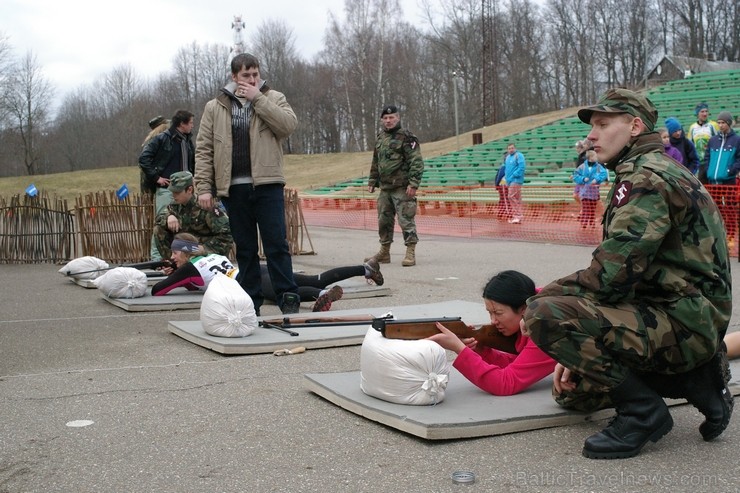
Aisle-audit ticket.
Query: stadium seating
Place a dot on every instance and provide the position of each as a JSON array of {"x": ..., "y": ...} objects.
[{"x": 550, "y": 149}]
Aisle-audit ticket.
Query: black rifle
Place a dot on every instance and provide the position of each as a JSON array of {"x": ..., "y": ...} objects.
[{"x": 154, "y": 264}]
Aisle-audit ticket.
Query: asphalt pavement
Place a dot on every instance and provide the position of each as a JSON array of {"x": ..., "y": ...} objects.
[{"x": 169, "y": 416}]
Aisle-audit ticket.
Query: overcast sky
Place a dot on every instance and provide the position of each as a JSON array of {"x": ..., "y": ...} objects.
[{"x": 76, "y": 41}]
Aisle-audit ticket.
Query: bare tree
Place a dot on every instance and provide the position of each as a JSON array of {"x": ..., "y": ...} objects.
[{"x": 26, "y": 99}]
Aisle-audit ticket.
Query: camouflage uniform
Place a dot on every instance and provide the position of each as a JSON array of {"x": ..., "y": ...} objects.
[
  {"x": 211, "y": 227},
  {"x": 397, "y": 164},
  {"x": 656, "y": 298}
]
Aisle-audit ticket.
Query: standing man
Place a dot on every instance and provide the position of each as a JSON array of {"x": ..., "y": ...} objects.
[
  {"x": 396, "y": 169},
  {"x": 185, "y": 215},
  {"x": 240, "y": 160},
  {"x": 166, "y": 153},
  {"x": 722, "y": 164},
  {"x": 515, "y": 165},
  {"x": 646, "y": 318},
  {"x": 701, "y": 131}
]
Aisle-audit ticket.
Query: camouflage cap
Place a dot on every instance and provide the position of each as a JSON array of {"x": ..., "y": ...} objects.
[
  {"x": 623, "y": 101},
  {"x": 180, "y": 181},
  {"x": 389, "y": 110}
]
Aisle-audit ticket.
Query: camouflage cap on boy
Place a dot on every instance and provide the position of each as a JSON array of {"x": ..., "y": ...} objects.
[
  {"x": 623, "y": 101},
  {"x": 180, "y": 181}
]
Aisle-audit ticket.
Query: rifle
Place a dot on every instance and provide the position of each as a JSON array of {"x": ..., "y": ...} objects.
[
  {"x": 486, "y": 335},
  {"x": 154, "y": 264},
  {"x": 411, "y": 329},
  {"x": 286, "y": 323}
]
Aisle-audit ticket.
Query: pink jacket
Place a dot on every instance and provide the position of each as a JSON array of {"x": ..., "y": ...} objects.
[{"x": 501, "y": 373}]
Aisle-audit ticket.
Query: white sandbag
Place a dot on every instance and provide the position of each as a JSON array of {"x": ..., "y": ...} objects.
[
  {"x": 80, "y": 268},
  {"x": 403, "y": 372},
  {"x": 122, "y": 282},
  {"x": 226, "y": 310}
]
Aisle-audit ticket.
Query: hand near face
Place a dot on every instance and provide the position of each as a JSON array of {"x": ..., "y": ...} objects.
[{"x": 247, "y": 90}]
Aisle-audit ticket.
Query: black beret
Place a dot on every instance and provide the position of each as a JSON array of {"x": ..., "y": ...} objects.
[{"x": 389, "y": 110}]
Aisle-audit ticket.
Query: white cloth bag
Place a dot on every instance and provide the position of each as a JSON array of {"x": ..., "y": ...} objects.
[{"x": 403, "y": 372}]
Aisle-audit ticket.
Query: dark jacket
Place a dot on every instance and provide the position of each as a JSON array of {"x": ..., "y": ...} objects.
[
  {"x": 157, "y": 154},
  {"x": 688, "y": 151}
]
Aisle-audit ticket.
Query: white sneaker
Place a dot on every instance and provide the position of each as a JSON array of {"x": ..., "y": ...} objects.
[{"x": 515, "y": 221}]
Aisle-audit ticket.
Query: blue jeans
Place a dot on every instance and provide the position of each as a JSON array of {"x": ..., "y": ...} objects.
[{"x": 262, "y": 207}]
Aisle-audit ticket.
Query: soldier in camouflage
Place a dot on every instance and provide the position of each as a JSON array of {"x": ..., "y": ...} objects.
[
  {"x": 647, "y": 317},
  {"x": 185, "y": 215},
  {"x": 396, "y": 169}
]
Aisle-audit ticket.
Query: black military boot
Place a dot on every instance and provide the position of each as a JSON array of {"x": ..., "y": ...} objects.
[
  {"x": 642, "y": 416},
  {"x": 705, "y": 388}
]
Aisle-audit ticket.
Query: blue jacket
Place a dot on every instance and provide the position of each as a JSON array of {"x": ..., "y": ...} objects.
[
  {"x": 515, "y": 165},
  {"x": 722, "y": 158},
  {"x": 589, "y": 176}
]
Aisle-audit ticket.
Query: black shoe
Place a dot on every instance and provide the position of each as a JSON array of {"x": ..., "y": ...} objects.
[
  {"x": 642, "y": 416},
  {"x": 291, "y": 303},
  {"x": 705, "y": 388}
]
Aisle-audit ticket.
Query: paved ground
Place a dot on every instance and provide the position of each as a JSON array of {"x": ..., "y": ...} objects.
[{"x": 172, "y": 417}]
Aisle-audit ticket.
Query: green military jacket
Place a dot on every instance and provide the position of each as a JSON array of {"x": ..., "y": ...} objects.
[
  {"x": 664, "y": 244},
  {"x": 211, "y": 227},
  {"x": 397, "y": 161}
]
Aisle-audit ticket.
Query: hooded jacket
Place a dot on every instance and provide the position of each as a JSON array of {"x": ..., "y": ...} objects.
[
  {"x": 722, "y": 158},
  {"x": 272, "y": 121}
]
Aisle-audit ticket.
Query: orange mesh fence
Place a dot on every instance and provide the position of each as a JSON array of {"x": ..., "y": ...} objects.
[{"x": 550, "y": 213}]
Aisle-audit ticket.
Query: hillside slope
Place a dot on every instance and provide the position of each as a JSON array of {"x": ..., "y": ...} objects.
[{"x": 303, "y": 171}]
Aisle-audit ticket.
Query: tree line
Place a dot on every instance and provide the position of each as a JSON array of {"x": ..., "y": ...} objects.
[{"x": 492, "y": 60}]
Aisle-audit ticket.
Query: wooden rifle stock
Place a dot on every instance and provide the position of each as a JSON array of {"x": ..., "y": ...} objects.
[{"x": 414, "y": 329}]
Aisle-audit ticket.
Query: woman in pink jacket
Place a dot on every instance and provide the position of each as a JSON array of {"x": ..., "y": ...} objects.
[{"x": 494, "y": 371}]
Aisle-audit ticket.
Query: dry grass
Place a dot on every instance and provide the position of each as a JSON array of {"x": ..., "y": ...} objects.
[{"x": 303, "y": 171}]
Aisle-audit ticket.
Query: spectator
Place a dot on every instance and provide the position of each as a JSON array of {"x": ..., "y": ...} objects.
[
  {"x": 589, "y": 176},
  {"x": 722, "y": 163},
  {"x": 503, "y": 211},
  {"x": 157, "y": 125},
  {"x": 397, "y": 168},
  {"x": 167, "y": 153},
  {"x": 701, "y": 131},
  {"x": 240, "y": 159},
  {"x": 668, "y": 148},
  {"x": 685, "y": 146},
  {"x": 515, "y": 166}
]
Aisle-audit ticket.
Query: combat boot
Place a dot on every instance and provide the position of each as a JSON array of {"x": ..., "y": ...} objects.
[
  {"x": 410, "y": 258},
  {"x": 705, "y": 388},
  {"x": 642, "y": 416},
  {"x": 384, "y": 254}
]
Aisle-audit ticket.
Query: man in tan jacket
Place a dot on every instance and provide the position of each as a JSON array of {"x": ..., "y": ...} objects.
[{"x": 239, "y": 159}]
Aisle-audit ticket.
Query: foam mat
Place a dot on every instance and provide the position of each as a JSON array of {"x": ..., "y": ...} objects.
[{"x": 466, "y": 411}]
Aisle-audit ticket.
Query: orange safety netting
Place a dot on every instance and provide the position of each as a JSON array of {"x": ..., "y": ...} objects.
[{"x": 550, "y": 213}]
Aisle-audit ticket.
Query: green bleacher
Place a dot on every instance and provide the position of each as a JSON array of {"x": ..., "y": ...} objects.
[{"x": 550, "y": 149}]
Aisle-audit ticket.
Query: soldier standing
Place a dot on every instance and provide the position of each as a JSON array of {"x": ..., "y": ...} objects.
[
  {"x": 396, "y": 169},
  {"x": 184, "y": 214},
  {"x": 647, "y": 317}
]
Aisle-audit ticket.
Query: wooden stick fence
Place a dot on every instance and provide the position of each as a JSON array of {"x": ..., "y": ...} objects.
[
  {"x": 115, "y": 230},
  {"x": 37, "y": 229}
]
